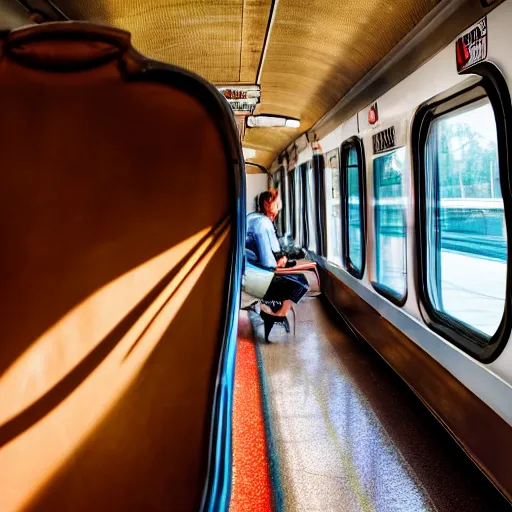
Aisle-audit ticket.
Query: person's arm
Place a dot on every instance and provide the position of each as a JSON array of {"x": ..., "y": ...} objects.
[
  {"x": 272, "y": 236},
  {"x": 265, "y": 246},
  {"x": 280, "y": 258}
]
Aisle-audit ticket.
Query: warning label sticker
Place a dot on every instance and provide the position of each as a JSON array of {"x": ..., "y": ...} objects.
[{"x": 471, "y": 46}]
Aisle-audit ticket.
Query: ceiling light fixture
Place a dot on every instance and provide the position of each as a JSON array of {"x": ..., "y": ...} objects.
[
  {"x": 292, "y": 123},
  {"x": 269, "y": 121}
]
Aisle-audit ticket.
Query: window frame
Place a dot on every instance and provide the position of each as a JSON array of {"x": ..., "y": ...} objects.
[
  {"x": 356, "y": 143},
  {"x": 385, "y": 291},
  {"x": 335, "y": 153},
  {"x": 278, "y": 183},
  {"x": 292, "y": 228},
  {"x": 313, "y": 223},
  {"x": 303, "y": 195},
  {"x": 298, "y": 201},
  {"x": 318, "y": 169},
  {"x": 493, "y": 83}
]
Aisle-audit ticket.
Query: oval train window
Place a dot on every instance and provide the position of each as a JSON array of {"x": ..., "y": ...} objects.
[
  {"x": 463, "y": 207},
  {"x": 465, "y": 218}
]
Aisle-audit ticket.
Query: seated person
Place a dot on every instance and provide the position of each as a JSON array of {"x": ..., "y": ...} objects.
[
  {"x": 262, "y": 245},
  {"x": 261, "y": 238},
  {"x": 263, "y": 252}
]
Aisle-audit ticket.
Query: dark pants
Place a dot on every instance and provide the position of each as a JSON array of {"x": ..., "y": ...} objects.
[{"x": 286, "y": 287}]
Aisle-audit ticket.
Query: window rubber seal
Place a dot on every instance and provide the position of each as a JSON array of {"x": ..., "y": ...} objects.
[
  {"x": 458, "y": 333},
  {"x": 353, "y": 142}
]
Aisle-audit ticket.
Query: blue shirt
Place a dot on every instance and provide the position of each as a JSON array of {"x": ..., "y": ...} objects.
[{"x": 261, "y": 240}]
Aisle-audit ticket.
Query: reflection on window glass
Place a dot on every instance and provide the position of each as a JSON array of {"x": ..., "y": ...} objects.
[
  {"x": 390, "y": 223},
  {"x": 332, "y": 206},
  {"x": 355, "y": 221},
  {"x": 311, "y": 200},
  {"x": 467, "y": 246}
]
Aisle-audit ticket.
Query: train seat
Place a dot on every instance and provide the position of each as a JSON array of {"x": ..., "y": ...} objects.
[{"x": 121, "y": 193}]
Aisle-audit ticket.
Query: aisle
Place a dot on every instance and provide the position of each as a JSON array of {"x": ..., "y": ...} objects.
[
  {"x": 344, "y": 433},
  {"x": 334, "y": 453}
]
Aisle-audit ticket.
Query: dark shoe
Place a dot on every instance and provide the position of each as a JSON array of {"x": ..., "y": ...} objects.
[{"x": 270, "y": 320}]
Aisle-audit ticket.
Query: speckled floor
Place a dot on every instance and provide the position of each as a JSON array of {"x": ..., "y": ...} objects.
[
  {"x": 349, "y": 435},
  {"x": 251, "y": 484}
]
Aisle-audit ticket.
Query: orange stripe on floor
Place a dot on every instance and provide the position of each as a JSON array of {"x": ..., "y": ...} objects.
[{"x": 251, "y": 477}]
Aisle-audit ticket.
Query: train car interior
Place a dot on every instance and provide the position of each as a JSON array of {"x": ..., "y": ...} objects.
[{"x": 255, "y": 255}]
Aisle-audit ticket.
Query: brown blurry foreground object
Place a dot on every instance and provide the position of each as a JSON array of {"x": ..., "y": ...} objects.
[{"x": 119, "y": 186}]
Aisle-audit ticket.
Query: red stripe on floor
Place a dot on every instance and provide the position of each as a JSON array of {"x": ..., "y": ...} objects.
[{"x": 251, "y": 478}]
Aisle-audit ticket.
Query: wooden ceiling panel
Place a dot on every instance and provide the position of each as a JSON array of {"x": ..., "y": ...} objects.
[
  {"x": 318, "y": 50},
  {"x": 255, "y": 19},
  {"x": 259, "y": 140},
  {"x": 203, "y": 36},
  {"x": 220, "y": 40}
]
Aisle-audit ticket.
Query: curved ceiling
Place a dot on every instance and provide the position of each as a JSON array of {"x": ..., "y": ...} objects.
[
  {"x": 220, "y": 40},
  {"x": 319, "y": 49},
  {"x": 316, "y": 49}
]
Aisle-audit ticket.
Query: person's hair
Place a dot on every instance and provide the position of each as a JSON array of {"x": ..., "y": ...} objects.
[{"x": 269, "y": 196}]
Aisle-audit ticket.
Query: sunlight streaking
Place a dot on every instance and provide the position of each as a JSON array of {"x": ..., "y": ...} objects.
[
  {"x": 66, "y": 343},
  {"x": 32, "y": 459}
]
